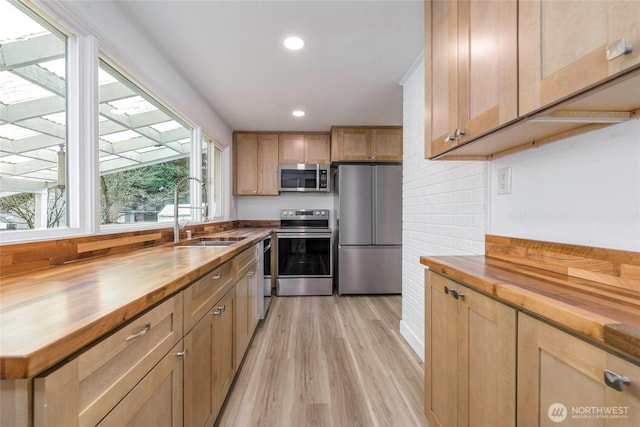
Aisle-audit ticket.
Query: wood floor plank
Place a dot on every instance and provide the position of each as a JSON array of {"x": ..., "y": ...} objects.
[{"x": 328, "y": 361}]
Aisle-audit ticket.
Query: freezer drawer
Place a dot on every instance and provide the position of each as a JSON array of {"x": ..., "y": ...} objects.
[{"x": 370, "y": 270}]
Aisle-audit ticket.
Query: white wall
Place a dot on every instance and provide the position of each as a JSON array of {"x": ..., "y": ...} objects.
[
  {"x": 443, "y": 210},
  {"x": 268, "y": 207},
  {"x": 584, "y": 190}
]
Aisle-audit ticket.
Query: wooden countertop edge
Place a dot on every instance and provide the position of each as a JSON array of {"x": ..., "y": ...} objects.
[
  {"x": 601, "y": 328},
  {"x": 28, "y": 365}
]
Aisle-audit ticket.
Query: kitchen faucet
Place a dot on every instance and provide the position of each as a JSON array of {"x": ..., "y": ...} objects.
[{"x": 176, "y": 223}]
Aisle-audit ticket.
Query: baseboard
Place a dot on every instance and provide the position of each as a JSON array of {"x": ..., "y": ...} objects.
[{"x": 415, "y": 341}]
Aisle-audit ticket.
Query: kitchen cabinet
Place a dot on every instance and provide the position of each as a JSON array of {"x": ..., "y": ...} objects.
[
  {"x": 86, "y": 388},
  {"x": 246, "y": 315},
  {"x": 255, "y": 164},
  {"x": 564, "y": 47},
  {"x": 223, "y": 349},
  {"x": 156, "y": 400},
  {"x": 487, "y": 97},
  {"x": 561, "y": 379},
  {"x": 367, "y": 144},
  {"x": 470, "y": 360},
  {"x": 471, "y": 82},
  {"x": 304, "y": 148}
]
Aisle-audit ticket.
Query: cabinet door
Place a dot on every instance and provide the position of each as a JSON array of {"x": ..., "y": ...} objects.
[
  {"x": 199, "y": 398},
  {"x": 487, "y": 67},
  {"x": 246, "y": 315},
  {"x": 268, "y": 164},
  {"x": 561, "y": 379},
  {"x": 246, "y": 164},
  {"x": 386, "y": 145},
  {"x": 156, "y": 400},
  {"x": 317, "y": 149},
  {"x": 291, "y": 148},
  {"x": 486, "y": 361},
  {"x": 224, "y": 366},
  {"x": 441, "y": 361},
  {"x": 444, "y": 75},
  {"x": 563, "y": 47},
  {"x": 356, "y": 144},
  {"x": 470, "y": 362}
]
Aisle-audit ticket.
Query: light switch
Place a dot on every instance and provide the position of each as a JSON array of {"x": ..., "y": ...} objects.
[{"x": 504, "y": 180}]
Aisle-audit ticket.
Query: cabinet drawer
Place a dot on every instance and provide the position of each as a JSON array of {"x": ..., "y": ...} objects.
[
  {"x": 200, "y": 297},
  {"x": 85, "y": 389},
  {"x": 245, "y": 260}
]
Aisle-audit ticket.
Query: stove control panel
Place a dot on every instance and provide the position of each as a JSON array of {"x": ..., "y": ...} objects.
[{"x": 304, "y": 214}]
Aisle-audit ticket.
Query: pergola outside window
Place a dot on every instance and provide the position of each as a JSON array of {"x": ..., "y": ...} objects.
[{"x": 33, "y": 133}]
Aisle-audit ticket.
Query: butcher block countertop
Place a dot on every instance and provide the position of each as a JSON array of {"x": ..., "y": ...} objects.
[
  {"x": 594, "y": 292},
  {"x": 49, "y": 314}
]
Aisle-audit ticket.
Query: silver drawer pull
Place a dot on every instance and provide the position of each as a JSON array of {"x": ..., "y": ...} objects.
[
  {"x": 615, "y": 381},
  {"x": 143, "y": 332},
  {"x": 222, "y": 308},
  {"x": 217, "y": 276},
  {"x": 182, "y": 354},
  {"x": 618, "y": 48},
  {"x": 216, "y": 312},
  {"x": 251, "y": 273},
  {"x": 456, "y": 294}
]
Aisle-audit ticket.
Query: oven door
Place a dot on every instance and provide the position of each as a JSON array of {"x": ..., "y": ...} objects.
[{"x": 304, "y": 263}]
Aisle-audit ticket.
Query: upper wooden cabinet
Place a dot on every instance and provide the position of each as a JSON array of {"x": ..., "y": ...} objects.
[
  {"x": 564, "y": 47},
  {"x": 503, "y": 76},
  {"x": 304, "y": 148},
  {"x": 472, "y": 77},
  {"x": 256, "y": 164},
  {"x": 369, "y": 144}
]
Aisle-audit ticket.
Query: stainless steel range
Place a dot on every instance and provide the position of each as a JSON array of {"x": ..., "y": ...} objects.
[{"x": 304, "y": 251}]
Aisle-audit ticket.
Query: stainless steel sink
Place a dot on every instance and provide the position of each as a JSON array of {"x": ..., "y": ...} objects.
[{"x": 213, "y": 243}]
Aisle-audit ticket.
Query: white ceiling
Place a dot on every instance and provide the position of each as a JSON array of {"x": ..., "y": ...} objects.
[{"x": 231, "y": 52}]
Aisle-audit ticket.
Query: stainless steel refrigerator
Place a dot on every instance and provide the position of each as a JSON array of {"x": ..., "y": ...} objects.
[{"x": 368, "y": 229}]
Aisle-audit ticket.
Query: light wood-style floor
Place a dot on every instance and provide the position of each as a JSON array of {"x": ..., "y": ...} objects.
[{"x": 328, "y": 361}]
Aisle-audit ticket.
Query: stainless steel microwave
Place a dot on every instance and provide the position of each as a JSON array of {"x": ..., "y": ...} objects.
[{"x": 303, "y": 177}]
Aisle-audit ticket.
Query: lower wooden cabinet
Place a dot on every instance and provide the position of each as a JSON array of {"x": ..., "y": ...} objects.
[
  {"x": 247, "y": 316},
  {"x": 157, "y": 400},
  {"x": 223, "y": 349},
  {"x": 85, "y": 389},
  {"x": 470, "y": 357},
  {"x": 561, "y": 380}
]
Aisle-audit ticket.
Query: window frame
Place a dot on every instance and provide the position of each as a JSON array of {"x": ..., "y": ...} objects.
[{"x": 84, "y": 55}]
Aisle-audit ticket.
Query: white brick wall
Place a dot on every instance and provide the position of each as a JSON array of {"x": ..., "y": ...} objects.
[{"x": 443, "y": 209}]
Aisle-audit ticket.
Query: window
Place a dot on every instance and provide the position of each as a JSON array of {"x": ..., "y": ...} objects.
[
  {"x": 144, "y": 152},
  {"x": 212, "y": 177},
  {"x": 33, "y": 121}
]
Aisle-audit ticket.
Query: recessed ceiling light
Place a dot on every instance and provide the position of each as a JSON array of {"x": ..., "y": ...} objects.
[
  {"x": 293, "y": 43},
  {"x": 298, "y": 113}
]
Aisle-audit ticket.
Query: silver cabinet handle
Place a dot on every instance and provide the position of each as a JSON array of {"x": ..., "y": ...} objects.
[
  {"x": 618, "y": 48},
  {"x": 217, "y": 276},
  {"x": 453, "y": 292},
  {"x": 449, "y": 138},
  {"x": 615, "y": 381},
  {"x": 251, "y": 273},
  {"x": 216, "y": 312},
  {"x": 457, "y": 294},
  {"x": 459, "y": 133},
  {"x": 222, "y": 307},
  {"x": 143, "y": 332},
  {"x": 182, "y": 354}
]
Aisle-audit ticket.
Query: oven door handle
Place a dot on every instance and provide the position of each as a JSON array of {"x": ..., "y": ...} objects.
[{"x": 307, "y": 235}]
